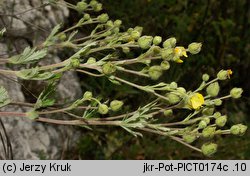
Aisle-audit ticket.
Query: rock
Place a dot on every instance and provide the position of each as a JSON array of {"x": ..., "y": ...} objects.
[{"x": 34, "y": 140}]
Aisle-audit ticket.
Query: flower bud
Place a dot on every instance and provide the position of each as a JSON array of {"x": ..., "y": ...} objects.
[
  {"x": 86, "y": 16},
  {"x": 213, "y": 89},
  {"x": 135, "y": 34},
  {"x": 126, "y": 50},
  {"x": 221, "y": 121},
  {"x": 157, "y": 40},
  {"x": 173, "y": 85},
  {"x": 207, "y": 120},
  {"x": 139, "y": 29},
  {"x": 74, "y": 62},
  {"x": 165, "y": 65},
  {"x": 205, "y": 77},
  {"x": 169, "y": 43},
  {"x": 194, "y": 48},
  {"x": 202, "y": 124},
  {"x": 238, "y": 129},
  {"x": 209, "y": 132},
  {"x": 167, "y": 53},
  {"x": 93, "y": 3},
  {"x": 181, "y": 90},
  {"x": 217, "y": 115},
  {"x": 217, "y": 102},
  {"x": 81, "y": 6},
  {"x": 209, "y": 149},
  {"x": 173, "y": 98},
  {"x": 117, "y": 23},
  {"x": 189, "y": 138},
  {"x": 224, "y": 74},
  {"x": 110, "y": 24},
  {"x": 108, "y": 68},
  {"x": 62, "y": 36},
  {"x": 145, "y": 41},
  {"x": 103, "y": 18},
  {"x": 236, "y": 92},
  {"x": 208, "y": 111},
  {"x": 103, "y": 109},
  {"x": 87, "y": 95},
  {"x": 116, "y": 105},
  {"x": 168, "y": 112},
  {"x": 98, "y": 7},
  {"x": 91, "y": 60},
  {"x": 155, "y": 72}
]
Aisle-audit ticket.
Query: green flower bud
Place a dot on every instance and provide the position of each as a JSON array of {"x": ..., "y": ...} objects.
[
  {"x": 62, "y": 36},
  {"x": 86, "y": 16},
  {"x": 87, "y": 95},
  {"x": 116, "y": 105},
  {"x": 81, "y": 6},
  {"x": 173, "y": 98},
  {"x": 98, "y": 7},
  {"x": 91, "y": 60},
  {"x": 135, "y": 34},
  {"x": 221, "y": 121},
  {"x": 168, "y": 112},
  {"x": 145, "y": 41},
  {"x": 207, "y": 120},
  {"x": 209, "y": 132},
  {"x": 93, "y": 3},
  {"x": 194, "y": 48},
  {"x": 173, "y": 85},
  {"x": 156, "y": 49},
  {"x": 236, "y": 92},
  {"x": 217, "y": 115},
  {"x": 213, "y": 89},
  {"x": 155, "y": 72},
  {"x": 189, "y": 138},
  {"x": 208, "y": 111},
  {"x": 117, "y": 23},
  {"x": 202, "y": 124},
  {"x": 126, "y": 50},
  {"x": 139, "y": 29},
  {"x": 205, "y": 77},
  {"x": 165, "y": 65},
  {"x": 157, "y": 40},
  {"x": 103, "y": 18},
  {"x": 74, "y": 62},
  {"x": 103, "y": 109},
  {"x": 181, "y": 90},
  {"x": 209, "y": 149},
  {"x": 167, "y": 53},
  {"x": 238, "y": 129},
  {"x": 108, "y": 68},
  {"x": 169, "y": 43},
  {"x": 217, "y": 102},
  {"x": 110, "y": 24},
  {"x": 222, "y": 75}
]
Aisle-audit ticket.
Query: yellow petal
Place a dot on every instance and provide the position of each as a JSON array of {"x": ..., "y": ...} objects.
[
  {"x": 184, "y": 53},
  {"x": 197, "y": 100},
  {"x": 179, "y": 61}
]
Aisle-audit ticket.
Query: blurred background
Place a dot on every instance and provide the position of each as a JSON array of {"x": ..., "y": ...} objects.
[{"x": 223, "y": 28}]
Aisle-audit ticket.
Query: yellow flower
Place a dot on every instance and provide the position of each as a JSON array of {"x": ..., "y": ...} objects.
[
  {"x": 180, "y": 51},
  {"x": 196, "y": 101},
  {"x": 229, "y": 72}
]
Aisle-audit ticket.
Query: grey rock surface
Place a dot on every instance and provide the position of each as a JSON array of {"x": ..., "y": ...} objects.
[{"x": 32, "y": 140}]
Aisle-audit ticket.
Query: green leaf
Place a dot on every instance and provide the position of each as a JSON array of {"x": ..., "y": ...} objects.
[
  {"x": 28, "y": 56},
  {"x": 51, "y": 38},
  {"x": 4, "y": 97},
  {"x": 34, "y": 74},
  {"x": 46, "y": 99}
]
